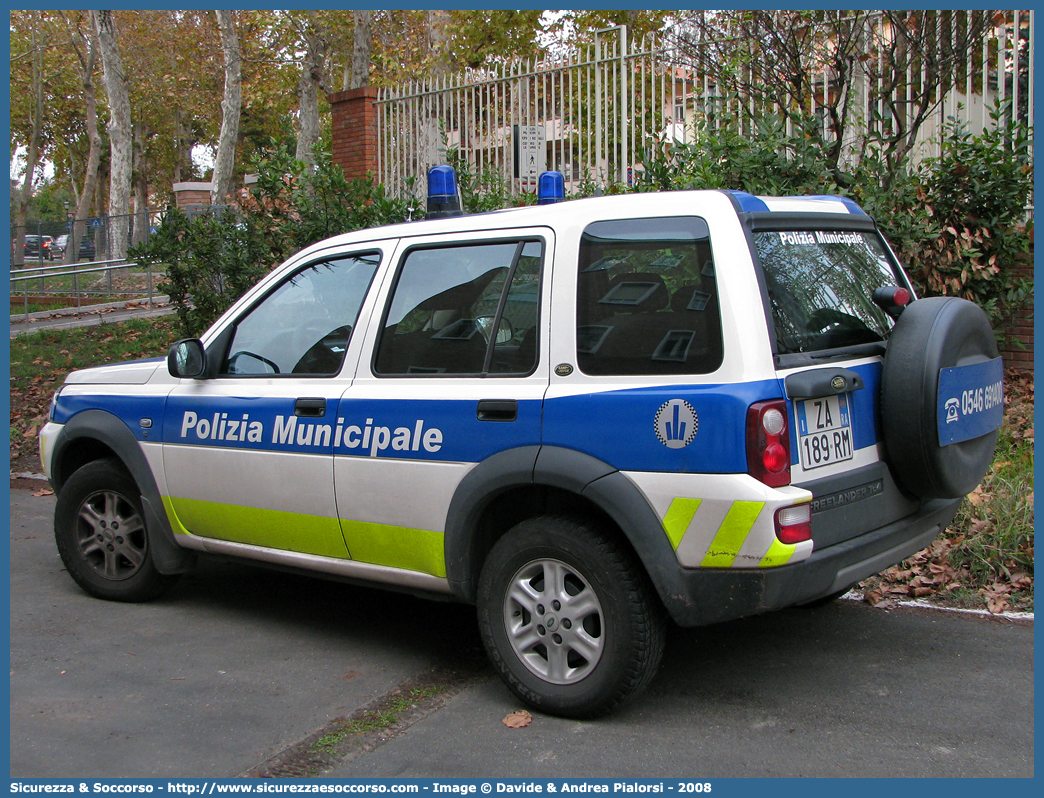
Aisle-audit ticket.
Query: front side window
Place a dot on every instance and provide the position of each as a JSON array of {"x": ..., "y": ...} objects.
[
  {"x": 464, "y": 310},
  {"x": 820, "y": 285},
  {"x": 304, "y": 325},
  {"x": 647, "y": 300}
]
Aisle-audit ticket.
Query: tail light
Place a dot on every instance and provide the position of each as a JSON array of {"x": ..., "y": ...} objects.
[
  {"x": 794, "y": 523},
  {"x": 768, "y": 443}
]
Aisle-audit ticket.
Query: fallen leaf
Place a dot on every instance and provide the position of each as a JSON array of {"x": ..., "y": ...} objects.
[
  {"x": 44, "y": 492},
  {"x": 873, "y": 597},
  {"x": 517, "y": 720}
]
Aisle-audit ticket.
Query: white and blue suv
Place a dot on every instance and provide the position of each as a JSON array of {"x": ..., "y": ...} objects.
[{"x": 583, "y": 417}]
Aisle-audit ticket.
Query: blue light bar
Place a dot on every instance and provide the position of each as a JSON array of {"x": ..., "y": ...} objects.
[
  {"x": 853, "y": 208},
  {"x": 442, "y": 193},
  {"x": 550, "y": 188}
]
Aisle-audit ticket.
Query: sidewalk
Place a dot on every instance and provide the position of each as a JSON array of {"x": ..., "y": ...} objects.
[{"x": 86, "y": 316}]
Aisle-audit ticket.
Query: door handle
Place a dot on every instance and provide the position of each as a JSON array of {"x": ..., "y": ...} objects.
[
  {"x": 497, "y": 410},
  {"x": 310, "y": 408}
]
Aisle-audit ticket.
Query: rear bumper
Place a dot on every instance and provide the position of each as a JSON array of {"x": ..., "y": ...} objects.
[{"x": 711, "y": 595}]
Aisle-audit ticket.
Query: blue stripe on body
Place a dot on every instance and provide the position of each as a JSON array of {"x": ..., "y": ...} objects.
[
  {"x": 129, "y": 409},
  {"x": 618, "y": 428}
]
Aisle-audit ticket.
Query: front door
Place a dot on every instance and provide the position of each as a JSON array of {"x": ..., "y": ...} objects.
[{"x": 248, "y": 455}]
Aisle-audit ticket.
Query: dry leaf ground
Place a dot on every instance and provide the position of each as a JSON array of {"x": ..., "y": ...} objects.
[{"x": 985, "y": 558}]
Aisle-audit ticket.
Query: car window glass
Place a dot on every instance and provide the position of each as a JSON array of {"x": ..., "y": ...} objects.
[
  {"x": 647, "y": 300},
  {"x": 304, "y": 325},
  {"x": 467, "y": 309},
  {"x": 820, "y": 285}
]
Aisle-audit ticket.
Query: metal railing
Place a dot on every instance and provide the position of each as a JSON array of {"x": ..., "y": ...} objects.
[{"x": 66, "y": 282}]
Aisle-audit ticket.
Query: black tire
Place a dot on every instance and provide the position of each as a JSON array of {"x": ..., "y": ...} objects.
[
  {"x": 932, "y": 334},
  {"x": 100, "y": 531},
  {"x": 582, "y": 646}
]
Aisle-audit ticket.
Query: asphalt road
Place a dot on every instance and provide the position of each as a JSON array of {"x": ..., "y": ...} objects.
[{"x": 237, "y": 664}]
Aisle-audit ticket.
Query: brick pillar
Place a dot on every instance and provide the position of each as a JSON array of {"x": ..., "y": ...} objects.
[
  {"x": 1020, "y": 355},
  {"x": 191, "y": 195},
  {"x": 355, "y": 131}
]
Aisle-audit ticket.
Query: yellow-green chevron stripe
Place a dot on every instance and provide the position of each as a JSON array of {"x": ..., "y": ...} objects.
[
  {"x": 731, "y": 534},
  {"x": 778, "y": 554},
  {"x": 679, "y": 516}
]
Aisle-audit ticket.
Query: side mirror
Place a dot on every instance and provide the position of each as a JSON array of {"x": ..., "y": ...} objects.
[{"x": 186, "y": 358}]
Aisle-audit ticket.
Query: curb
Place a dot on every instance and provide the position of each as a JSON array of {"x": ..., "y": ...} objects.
[
  {"x": 919, "y": 604},
  {"x": 158, "y": 300}
]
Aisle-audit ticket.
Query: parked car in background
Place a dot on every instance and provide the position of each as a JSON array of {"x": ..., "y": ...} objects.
[
  {"x": 40, "y": 247},
  {"x": 61, "y": 245},
  {"x": 86, "y": 248}
]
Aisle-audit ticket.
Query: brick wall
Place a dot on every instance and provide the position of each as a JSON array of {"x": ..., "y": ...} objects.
[
  {"x": 1021, "y": 328},
  {"x": 355, "y": 131}
]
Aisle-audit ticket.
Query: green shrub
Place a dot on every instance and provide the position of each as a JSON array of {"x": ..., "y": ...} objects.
[
  {"x": 976, "y": 196},
  {"x": 769, "y": 162},
  {"x": 210, "y": 260},
  {"x": 296, "y": 208}
]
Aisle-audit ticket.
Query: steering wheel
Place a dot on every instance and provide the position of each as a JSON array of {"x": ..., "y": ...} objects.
[{"x": 243, "y": 353}]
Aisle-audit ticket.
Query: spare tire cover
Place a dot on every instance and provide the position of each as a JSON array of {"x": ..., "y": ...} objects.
[{"x": 933, "y": 334}]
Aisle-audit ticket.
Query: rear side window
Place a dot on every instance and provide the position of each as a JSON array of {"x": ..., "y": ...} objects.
[
  {"x": 467, "y": 310},
  {"x": 647, "y": 300},
  {"x": 820, "y": 284}
]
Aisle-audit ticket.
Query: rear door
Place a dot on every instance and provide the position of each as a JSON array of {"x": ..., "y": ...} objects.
[
  {"x": 454, "y": 372},
  {"x": 819, "y": 273}
]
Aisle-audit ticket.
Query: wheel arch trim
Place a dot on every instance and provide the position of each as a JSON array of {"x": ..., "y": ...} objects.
[
  {"x": 109, "y": 430},
  {"x": 574, "y": 472}
]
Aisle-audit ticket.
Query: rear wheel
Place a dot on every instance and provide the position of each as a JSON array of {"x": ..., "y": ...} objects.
[
  {"x": 570, "y": 622},
  {"x": 100, "y": 531}
]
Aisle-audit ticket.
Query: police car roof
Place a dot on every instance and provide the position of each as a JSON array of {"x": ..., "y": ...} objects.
[{"x": 671, "y": 203}]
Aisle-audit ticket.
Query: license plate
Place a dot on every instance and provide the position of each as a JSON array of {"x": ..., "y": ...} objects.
[{"x": 824, "y": 431}]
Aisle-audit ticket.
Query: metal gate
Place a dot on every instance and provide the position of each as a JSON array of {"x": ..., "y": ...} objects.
[
  {"x": 590, "y": 115},
  {"x": 585, "y": 117}
]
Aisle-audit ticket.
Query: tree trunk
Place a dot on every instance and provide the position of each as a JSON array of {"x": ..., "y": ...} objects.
[
  {"x": 438, "y": 25},
  {"x": 182, "y": 147},
  {"x": 86, "y": 49},
  {"x": 32, "y": 157},
  {"x": 140, "y": 229},
  {"x": 119, "y": 127},
  {"x": 362, "y": 36},
  {"x": 230, "y": 109},
  {"x": 308, "y": 87},
  {"x": 431, "y": 144}
]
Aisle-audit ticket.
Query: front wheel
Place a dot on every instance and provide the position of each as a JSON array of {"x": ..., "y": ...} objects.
[
  {"x": 569, "y": 620},
  {"x": 100, "y": 531}
]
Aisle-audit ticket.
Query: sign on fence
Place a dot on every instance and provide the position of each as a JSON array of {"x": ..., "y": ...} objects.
[{"x": 530, "y": 154}]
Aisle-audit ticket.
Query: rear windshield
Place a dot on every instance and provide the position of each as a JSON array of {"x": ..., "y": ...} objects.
[{"x": 820, "y": 284}]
